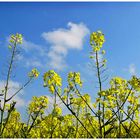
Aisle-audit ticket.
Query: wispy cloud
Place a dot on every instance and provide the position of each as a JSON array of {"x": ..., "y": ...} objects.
[
  {"x": 132, "y": 69},
  {"x": 62, "y": 40},
  {"x": 34, "y": 55},
  {"x": 12, "y": 88},
  {"x": 30, "y": 46},
  {"x": 33, "y": 62}
]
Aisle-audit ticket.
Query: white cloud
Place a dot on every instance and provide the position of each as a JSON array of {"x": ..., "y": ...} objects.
[
  {"x": 132, "y": 69},
  {"x": 35, "y": 55},
  {"x": 29, "y": 46},
  {"x": 63, "y": 40},
  {"x": 12, "y": 88},
  {"x": 33, "y": 62},
  {"x": 57, "y": 61},
  {"x": 19, "y": 57}
]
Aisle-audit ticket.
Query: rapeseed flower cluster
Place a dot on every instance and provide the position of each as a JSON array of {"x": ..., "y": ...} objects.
[
  {"x": 97, "y": 39},
  {"x": 74, "y": 78},
  {"x": 52, "y": 80},
  {"x": 38, "y": 104},
  {"x": 34, "y": 73},
  {"x": 135, "y": 83},
  {"x": 16, "y": 38}
]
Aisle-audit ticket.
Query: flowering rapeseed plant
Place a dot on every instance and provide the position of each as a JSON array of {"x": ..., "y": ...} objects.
[
  {"x": 52, "y": 80},
  {"x": 34, "y": 73},
  {"x": 16, "y": 38},
  {"x": 114, "y": 114}
]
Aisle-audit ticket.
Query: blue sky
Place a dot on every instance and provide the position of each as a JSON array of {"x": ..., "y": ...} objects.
[{"x": 56, "y": 36}]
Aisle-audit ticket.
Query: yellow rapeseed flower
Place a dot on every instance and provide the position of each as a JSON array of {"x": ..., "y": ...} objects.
[{"x": 34, "y": 73}]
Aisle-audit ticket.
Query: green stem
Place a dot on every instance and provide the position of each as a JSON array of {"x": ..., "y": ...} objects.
[
  {"x": 100, "y": 89},
  {"x": 85, "y": 101},
  {"x": 6, "y": 87},
  {"x": 73, "y": 113},
  {"x": 107, "y": 122},
  {"x": 32, "y": 125}
]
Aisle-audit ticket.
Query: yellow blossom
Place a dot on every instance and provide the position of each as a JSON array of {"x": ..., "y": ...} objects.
[{"x": 34, "y": 73}]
